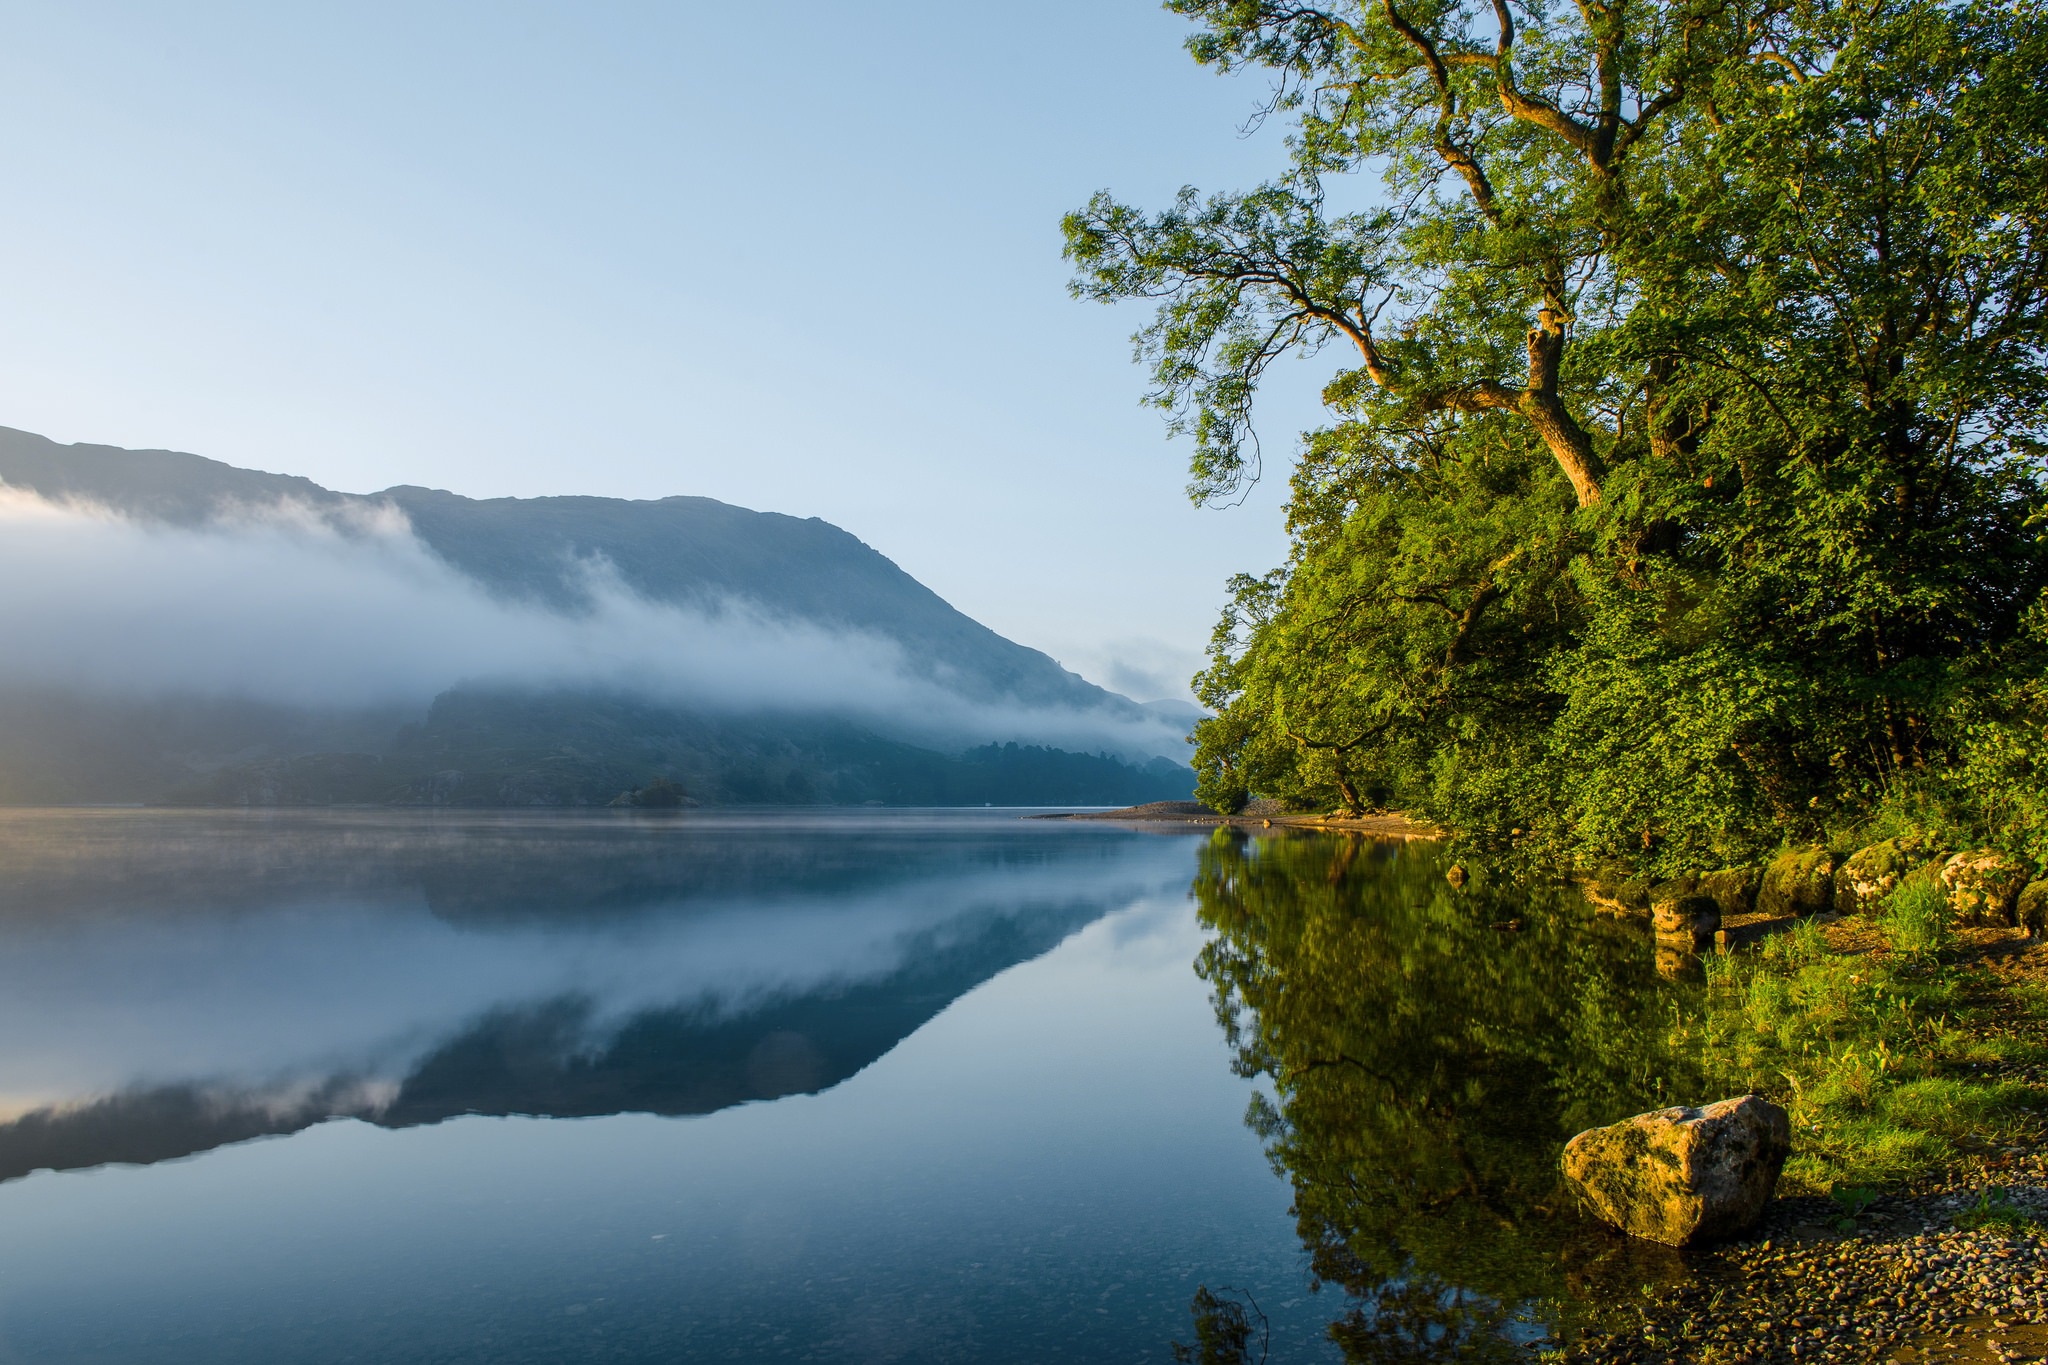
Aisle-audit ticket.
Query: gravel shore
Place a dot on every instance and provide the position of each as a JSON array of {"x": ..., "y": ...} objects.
[{"x": 1906, "y": 1286}]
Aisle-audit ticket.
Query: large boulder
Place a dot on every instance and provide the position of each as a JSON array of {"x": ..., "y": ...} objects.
[
  {"x": 1682, "y": 1176},
  {"x": 2031, "y": 909},
  {"x": 1983, "y": 886},
  {"x": 1867, "y": 876},
  {"x": 1798, "y": 882},
  {"x": 1733, "y": 889},
  {"x": 1691, "y": 919}
]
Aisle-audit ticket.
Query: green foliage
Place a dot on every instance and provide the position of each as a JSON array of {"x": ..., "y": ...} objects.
[
  {"x": 1852, "y": 1200},
  {"x": 1423, "y": 1052},
  {"x": 1917, "y": 920},
  {"x": 1870, "y": 1054},
  {"x": 1224, "y": 1331},
  {"x": 1685, "y": 492},
  {"x": 1994, "y": 1208}
]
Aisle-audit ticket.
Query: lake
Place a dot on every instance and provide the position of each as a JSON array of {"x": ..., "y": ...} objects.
[{"x": 890, "y": 1086}]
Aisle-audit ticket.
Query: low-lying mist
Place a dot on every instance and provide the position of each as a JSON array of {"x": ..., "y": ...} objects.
[{"x": 345, "y": 610}]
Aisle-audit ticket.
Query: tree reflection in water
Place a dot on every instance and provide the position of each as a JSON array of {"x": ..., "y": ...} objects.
[{"x": 1426, "y": 1063}]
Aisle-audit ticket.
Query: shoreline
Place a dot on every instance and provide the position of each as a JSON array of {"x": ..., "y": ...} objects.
[
  {"x": 1918, "y": 1276},
  {"x": 1392, "y": 825}
]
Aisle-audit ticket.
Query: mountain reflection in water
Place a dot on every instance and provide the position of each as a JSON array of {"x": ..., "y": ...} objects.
[
  {"x": 1426, "y": 1063},
  {"x": 1005, "y": 1124},
  {"x": 224, "y": 978}
]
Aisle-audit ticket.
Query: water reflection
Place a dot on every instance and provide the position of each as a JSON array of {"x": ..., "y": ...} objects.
[
  {"x": 1428, "y": 1050},
  {"x": 174, "y": 983}
]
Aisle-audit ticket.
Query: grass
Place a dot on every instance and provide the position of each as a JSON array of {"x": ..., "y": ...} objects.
[
  {"x": 1876, "y": 1056},
  {"x": 1916, "y": 916},
  {"x": 1994, "y": 1208}
]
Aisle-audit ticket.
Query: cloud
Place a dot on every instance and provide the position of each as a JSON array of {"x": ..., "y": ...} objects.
[
  {"x": 323, "y": 608},
  {"x": 1145, "y": 668}
]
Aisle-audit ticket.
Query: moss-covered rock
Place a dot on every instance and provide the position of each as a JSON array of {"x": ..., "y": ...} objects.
[
  {"x": 1690, "y": 918},
  {"x": 1733, "y": 889},
  {"x": 1682, "y": 1176},
  {"x": 2031, "y": 909},
  {"x": 1617, "y": 894},
  {"x": 1800, "y": 881},
  {"x": 1983, "y": 886},
  {"x": 1870, "y": 874}
]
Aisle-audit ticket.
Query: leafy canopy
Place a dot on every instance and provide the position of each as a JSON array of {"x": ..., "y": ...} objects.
[{"x": 1683, "y": 479}]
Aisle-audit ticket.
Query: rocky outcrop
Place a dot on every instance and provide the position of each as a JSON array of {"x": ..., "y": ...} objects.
[
  {"x": 1733, "y": 891},
  {"x": 1870, "y": 874},
  {"x": 2031, "y": 909},
  {"x": 1800, "y": 881},
  {"x": 1684, "y": 923},
  {"x": 1682, "y": 1176},
  {"x": 1983, "y": 886}
]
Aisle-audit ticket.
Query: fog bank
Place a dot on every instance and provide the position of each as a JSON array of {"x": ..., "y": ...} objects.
[{"x": 319, "y": 609}]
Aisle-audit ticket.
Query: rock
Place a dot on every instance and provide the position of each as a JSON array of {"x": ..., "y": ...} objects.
[
  {"x": 1733, "y": 889},
  {"x": 1798, "y": 882},
  {"x": 2031, "y": 909},
  {"x": 1671, "y": 890},
  {"x": 1455, "y": 875},
  {"x": 1869, "y": 875},
  {"x": 1682, "y": 1176},
  {"x": 1690, "y": 918},
  {"x": 1983, "y": 886},
  {"x": 1611, "y": 895}
]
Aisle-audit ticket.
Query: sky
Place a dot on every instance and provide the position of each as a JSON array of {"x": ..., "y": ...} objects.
[{"x": 799, "y": 257}]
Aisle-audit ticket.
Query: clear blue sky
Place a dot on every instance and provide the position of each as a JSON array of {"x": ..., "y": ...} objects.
[{"x": 803, "y": 257}]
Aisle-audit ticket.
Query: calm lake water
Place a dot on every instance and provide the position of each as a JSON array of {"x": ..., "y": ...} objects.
[{"x": 338, "y": 1086}]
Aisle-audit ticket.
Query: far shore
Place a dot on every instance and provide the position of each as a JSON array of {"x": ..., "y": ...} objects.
[{"x": 1392, "y": 825}]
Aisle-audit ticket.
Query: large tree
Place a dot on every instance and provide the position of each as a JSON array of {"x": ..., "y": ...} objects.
[{"x": 1681, "y": 462}]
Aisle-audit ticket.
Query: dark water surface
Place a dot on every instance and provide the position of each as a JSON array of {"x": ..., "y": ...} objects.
[{"x": 890, "y": 1086}]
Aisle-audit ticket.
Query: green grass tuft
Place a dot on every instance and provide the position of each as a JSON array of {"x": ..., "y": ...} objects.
[
  {"x": 1917, "y": 920},
  {"x": 1994, "y": 1208}
]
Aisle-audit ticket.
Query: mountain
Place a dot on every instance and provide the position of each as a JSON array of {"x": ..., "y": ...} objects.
[
  {"x": 585, "y": 744},
  {"x": 681, "y": 550}
]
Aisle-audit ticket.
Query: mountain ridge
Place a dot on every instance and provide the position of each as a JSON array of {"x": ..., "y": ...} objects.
[{"x": 681, "y": 549}]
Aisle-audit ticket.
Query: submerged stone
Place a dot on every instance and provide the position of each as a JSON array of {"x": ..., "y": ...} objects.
[
  {"x": 1682, "y": 1176},
  {"x": 1691, "y": 919}
]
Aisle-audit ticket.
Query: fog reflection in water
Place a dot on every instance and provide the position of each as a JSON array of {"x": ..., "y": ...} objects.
[
  {"x": 993, "y": 1078},
  {"x": 172, "y": 983}
]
